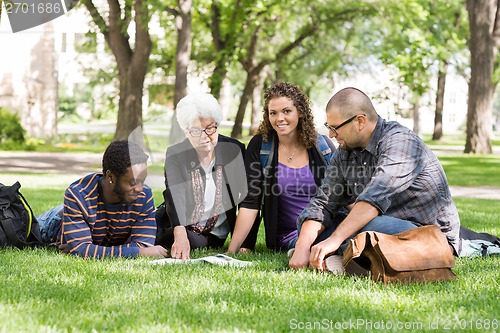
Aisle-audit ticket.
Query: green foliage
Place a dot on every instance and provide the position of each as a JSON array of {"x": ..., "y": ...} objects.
[
  {"x": 82, "y": 94},
  {"x": 415, "y": 36},
  {"x": 12, "y": 133},
  {"x": 10, "y": 128},
  {"x": 93, "y": 141},
  {"x": 337, "y": 46},
  {"x": 86, "y": 43}
]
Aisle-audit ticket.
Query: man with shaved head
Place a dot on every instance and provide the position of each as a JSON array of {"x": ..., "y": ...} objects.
[{"x": 382, "y": 178}]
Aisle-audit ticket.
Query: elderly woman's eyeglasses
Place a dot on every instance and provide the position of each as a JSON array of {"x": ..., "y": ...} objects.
[
  {"x": 334, "y": 129},
  {"x": 196, "y": 132}
]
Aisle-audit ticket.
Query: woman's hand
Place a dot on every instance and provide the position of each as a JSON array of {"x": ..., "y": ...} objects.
[{"x": 181, "y": 247}]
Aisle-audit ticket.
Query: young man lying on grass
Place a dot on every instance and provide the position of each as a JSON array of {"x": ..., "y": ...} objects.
[{"x": 107, "y": 215}]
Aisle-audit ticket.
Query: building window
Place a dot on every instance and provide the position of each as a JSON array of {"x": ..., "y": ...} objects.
[
  {"x": 452, "y": 118},
  {"x": 63, "y": 42},
  {"x": 453, "y": 97}
]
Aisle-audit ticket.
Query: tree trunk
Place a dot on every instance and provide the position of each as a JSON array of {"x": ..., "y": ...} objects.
[
  {"x": 257, "y": 105},
  {"x": 481, "y": 86},
  {"x": 182, "y": 58},
  {"x": 216, "y": 81},
  {"x": 416, "y": 116},
  {"x": 225, "y": 34},
  {"x": 130, "y": 103},
  {"x": 132, "y": 74},
  {"x": 254, "y": 68},
  {"x": 438, "y": 117},
  {"x": 250, "y": 84},
  {"x": 132, "y": 64}
]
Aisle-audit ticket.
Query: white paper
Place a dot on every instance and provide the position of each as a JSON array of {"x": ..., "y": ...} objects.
[{"x": 217, "y": 259}]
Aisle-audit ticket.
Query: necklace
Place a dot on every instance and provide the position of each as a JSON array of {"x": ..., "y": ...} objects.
[{"x": 290, "y": 157}]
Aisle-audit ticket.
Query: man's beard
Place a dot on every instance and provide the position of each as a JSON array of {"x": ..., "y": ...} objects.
[{"x": 119, "y": 191}]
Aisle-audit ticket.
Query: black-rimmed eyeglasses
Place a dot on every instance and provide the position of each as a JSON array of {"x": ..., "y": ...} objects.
[
  {"x": 335, "y": 128},
  {"x": 196, "y": 132}
]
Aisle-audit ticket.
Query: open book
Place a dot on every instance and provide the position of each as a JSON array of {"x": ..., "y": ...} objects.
[{"x": 216, "y": 259}]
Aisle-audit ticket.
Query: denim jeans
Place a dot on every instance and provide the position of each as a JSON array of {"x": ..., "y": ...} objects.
[
  {"x": 50, "y": 224},
  {"x": 290, "y": 244},
  {"x": 383, "y": 224}
]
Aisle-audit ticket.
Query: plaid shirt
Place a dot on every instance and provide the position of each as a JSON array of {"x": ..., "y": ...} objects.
[{"x": 396, "y": 173}]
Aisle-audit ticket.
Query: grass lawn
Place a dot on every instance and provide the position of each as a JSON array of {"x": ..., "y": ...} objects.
[
  {"x": 471, "y": 170},
  {"x": 44, "y": 291}
]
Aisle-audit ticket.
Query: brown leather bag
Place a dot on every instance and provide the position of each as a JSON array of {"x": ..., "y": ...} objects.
[{"x": 416, "y": 255}]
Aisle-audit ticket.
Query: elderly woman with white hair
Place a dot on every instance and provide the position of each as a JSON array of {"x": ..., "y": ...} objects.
[{"x": 204, "y": 181}]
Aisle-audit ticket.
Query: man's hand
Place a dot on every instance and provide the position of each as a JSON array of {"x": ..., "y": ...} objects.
[
  {"x": 300, "y": 258},
  {"x": 156, "y": 251},
  {"x": 64, "y": 248},
  {"x": 320, "y": 251},
  {"x": 308, "y": 234},
  {"x": 361, "y": 213},
  {"x": 180, "y": 247}
]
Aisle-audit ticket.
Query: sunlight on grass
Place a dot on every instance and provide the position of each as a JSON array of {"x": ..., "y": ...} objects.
[
  {"x": 68, "y": 293},
  {"x": 44, "y": 291},
  {"x": 36, "y": 181},
  {"x": 470, "y": 170}
]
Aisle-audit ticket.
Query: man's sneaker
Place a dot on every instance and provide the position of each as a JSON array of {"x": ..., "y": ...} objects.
[
  {"x": 333, "y": 264},
  {"x": 290, "y": 252}
]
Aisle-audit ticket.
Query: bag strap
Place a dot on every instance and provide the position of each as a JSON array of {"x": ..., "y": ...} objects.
[
  {"x": 8, "y": 224},
  {"x": 30, "y": 213},
  {"x": 266, "y": 158},
  {"x": 33, "y": 227},
  {"x": 10, "y": 232},
  {"x": 267, "y": 152},
  {"x": 324, "y": 148}
]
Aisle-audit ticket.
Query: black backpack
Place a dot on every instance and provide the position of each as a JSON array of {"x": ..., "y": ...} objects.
[{"x": 18, "y": 225}]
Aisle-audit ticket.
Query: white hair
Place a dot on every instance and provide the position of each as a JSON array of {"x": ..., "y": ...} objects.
[{"x": 197, "y": 106}]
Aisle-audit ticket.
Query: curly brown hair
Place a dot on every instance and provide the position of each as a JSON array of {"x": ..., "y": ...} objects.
[{"x": 306, "y": 131}]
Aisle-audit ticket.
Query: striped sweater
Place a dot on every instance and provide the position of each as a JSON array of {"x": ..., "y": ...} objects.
[{"x": 93, "y": 228}]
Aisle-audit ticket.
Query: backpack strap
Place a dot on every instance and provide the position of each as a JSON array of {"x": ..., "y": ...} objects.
[
  {"x": 267, "y": 154},
  {"x": 10, "y": 232},
  {"x": 266, "y": 158},
  {"x": 324, "y": 149}
]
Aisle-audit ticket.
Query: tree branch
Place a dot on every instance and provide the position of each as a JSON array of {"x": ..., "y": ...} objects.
[
  {"x": 247, "y": 63},
  {"x": 127, "y": 14},
  {"x": 97, "y": 18},
  {"x": 307, "y": 31},
  {"x": 118, "y": 39},
  {"x": 172, "y": 11},
  {"x": 496, "y": 26},
  {"x": 143, "y": 42},
  {"x": 215, "y": 26}
]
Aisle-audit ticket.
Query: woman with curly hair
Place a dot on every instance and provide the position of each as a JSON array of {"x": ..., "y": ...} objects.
[{"x": 295, "y": 170}]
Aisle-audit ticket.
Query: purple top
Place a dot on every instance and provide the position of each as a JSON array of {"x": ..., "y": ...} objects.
[{"x": 295, "y": 188}]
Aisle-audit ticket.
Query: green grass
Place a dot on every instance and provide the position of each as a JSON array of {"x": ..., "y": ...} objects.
[
  {"x": 44, "y": 291},
  {"x": 455, "y": 139},
  {"x": 472, "y": 170}
]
